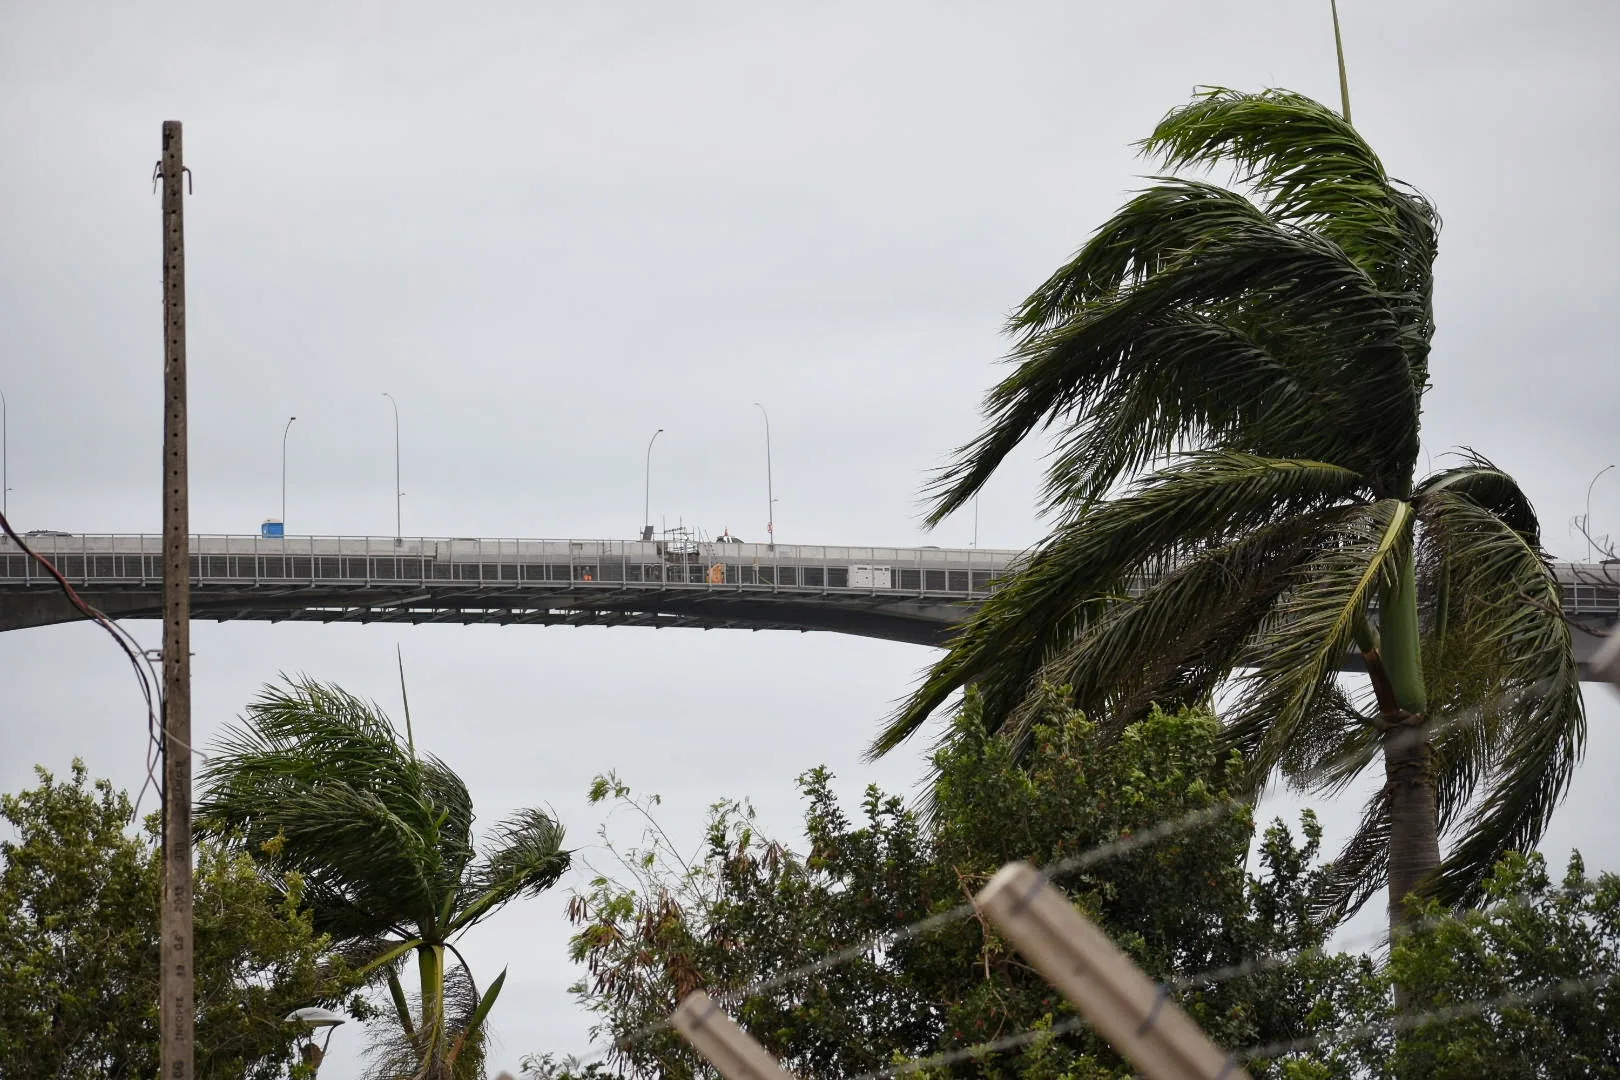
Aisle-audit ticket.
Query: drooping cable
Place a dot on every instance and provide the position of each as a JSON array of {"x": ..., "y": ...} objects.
[{"x": 148, "y": 678}]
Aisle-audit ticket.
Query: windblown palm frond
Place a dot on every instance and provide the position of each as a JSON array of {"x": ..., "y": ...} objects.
[
  {"x": 317, "y": 782},
  {"x": 1315, "y": 171},
  {"x": 1093, "y": 560},
  {"x": 526, "y": 857},
  {"x": 1295, "y": 661},
  {"x": 1521, "y": 720},
  {"x": 1361, "y": 868},
  {"x": 1174, "y": 644},
  {"x": 1318, "y": 311},
  {"x": 1487, "y": 486}
]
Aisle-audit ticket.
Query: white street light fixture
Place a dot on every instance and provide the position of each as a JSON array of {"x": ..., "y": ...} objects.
[{"x": 312, "y": 1018}]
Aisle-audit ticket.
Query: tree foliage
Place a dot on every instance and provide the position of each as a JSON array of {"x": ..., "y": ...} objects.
[
  {"x": 1548, "y": 954},
  {"x": 748, "y": 910},
  {"x": 79, "y": 901}
]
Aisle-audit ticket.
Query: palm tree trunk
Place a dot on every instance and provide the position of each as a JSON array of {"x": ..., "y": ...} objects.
[
  {"x": 430, "y": 1032},
  {"x": 1414, "y": 835}
]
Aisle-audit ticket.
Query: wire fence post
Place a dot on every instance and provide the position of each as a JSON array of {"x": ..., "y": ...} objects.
[
  {"x": 1127, "y": 1008},
  {"x": 728, "y": 1047}
]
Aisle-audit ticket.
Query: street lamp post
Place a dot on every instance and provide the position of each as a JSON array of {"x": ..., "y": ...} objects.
[
  {"x": 1586, "y": 522},
  {"x": 646, "y": 490},
  {"x": 770, "y": 493},
  {"x": 284, "y": 431},
  {"x": 398, "y": 493},
  {"x": 5, "y": 479}
]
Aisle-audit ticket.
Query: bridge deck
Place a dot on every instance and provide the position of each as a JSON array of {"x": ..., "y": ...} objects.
[{"x": 902, "y": 594}]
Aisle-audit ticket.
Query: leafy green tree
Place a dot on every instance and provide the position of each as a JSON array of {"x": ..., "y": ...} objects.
[
  {"x": 79, "y": 899},
  {"x": 316, "y": 783},
  {"x": 746, "y": 910},
  {"x": 1238, "y": 380},
  {"x": 1547, "y": 956}
]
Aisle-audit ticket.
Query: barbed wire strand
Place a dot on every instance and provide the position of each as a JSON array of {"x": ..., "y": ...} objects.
[
  {"x": 991, "y": 1046},
  {"x": 1266, "y": 1051},
  {"x": 1562, "y": 988},
  {"x": 1132, "y": 840}
]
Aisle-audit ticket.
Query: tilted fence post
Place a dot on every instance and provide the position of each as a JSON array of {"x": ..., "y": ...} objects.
[
  {"x": 728, "y": 1047},
  {"x": 1127, "y": 1008}
]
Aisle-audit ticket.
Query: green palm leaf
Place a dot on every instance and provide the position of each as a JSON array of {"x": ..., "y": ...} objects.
[
  {"x": 1314, "y": 171},
  {"x": 1522, "y": 718},
  {"x": 1237, "y": 261},
  {"x": 526, "y": 857},
  {"x": 1174, "y": 643},
  {"x": 1206, "y": 499},
  {"x": 1294, "y": 662}
]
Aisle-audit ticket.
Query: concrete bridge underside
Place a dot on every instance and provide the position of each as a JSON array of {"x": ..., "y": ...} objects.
[
  {"x": 904, "y": 619},
  {"x": 910, "y": 620}
]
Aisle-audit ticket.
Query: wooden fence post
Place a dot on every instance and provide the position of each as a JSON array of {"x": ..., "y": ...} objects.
[
  {"x": 728, "y": 1047},
  {"x": 1127, "y": 1008}
]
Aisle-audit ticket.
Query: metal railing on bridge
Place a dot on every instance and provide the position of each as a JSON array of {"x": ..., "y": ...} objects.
[
  {"x": 109, "y": 560},
  {"x": 518, "y": 564}
]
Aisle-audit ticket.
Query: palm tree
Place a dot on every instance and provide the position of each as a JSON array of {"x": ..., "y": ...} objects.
[
  {"x": 316, "y": 782},
  {"x": 1237, "y": 380}
]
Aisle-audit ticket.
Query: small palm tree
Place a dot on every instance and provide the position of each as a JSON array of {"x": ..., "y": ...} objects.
[
  {"x": 1238, "y": 385},
  {"x": 318, "y": 783}
]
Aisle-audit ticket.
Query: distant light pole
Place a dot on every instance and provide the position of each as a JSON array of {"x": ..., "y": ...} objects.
[
  {"x": 646, "y": 491},
  {"x": 398, "y": 493},
  {"x": 770, "y": 493},
  {"x": 1586, "y": 522},
  {"x": 284, "y": 431},
  {"x": 5, "y": 485}
]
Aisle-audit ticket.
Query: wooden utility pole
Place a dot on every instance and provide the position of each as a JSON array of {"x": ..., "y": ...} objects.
[{"x": 178, "y": 982}]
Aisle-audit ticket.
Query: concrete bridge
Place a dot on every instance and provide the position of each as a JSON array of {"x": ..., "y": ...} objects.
[{"x": 915, "y": 595}]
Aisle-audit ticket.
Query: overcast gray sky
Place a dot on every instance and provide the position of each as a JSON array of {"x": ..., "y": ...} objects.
[{"x": 549, "y": 230}]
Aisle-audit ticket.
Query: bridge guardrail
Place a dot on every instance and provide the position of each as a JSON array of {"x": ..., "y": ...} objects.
[{"x": 513, "y": 563}]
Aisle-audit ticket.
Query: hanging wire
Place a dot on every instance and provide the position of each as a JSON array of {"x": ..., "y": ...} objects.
[{"x": 140, "y": 659}]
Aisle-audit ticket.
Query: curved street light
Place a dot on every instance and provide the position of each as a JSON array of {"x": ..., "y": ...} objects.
[
  {"x": 284, "y": 431},
  {"x": 1586, "y": 522},
  {"x": 5, "y": 464},
  {"x": 770, "y": 493},
  {"x": 398, "y": 494},
  {"x": 646, "y": 490}
]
